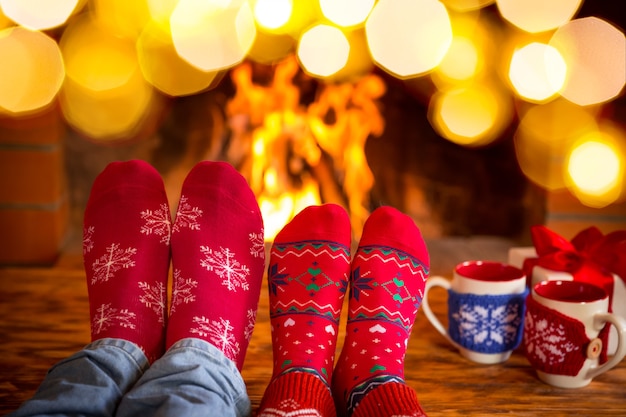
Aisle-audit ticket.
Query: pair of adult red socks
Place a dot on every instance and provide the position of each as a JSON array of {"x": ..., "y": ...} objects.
[
  {"x": 310, "y": 272},
  {"x": 215, "y": 247}
]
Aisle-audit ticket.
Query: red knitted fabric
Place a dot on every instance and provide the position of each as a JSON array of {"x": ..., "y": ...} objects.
[
  {"x": 297, "y": 394},
  {"x": 553, "y": 342},
  {"x": 218, "y": 259},
  {"x": 126, "y": 252},
  {"x": 391, "y": 399},
  {"x": 307, "y": 281},
  {"x": 388, "y": 275}
]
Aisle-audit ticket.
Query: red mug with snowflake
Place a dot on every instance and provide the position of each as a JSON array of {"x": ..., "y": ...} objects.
[
  {"x": 486, "y": 302},
  {"x": 565, "y": 332}
]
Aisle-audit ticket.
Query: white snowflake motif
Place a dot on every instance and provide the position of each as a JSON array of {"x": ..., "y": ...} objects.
[
  {"x": 258, "y": 244},
  {"x": 547, "y": 341},
  {"x": 186, "y": 216},
  {"x": 220, "y": 333},
  {"x": 88, "y": 239},
  {"x": 488, "y": 326},
  {"x": 154, "y": 297},
  {"x": 224, "y": 264},
  {"x": 251, "y": 316},
  {"x": 182, "y": 291},
  {"x": 157, "y": 222},
  {"x": 112, "y": 261},
  {"x": 107, "y": 316}
]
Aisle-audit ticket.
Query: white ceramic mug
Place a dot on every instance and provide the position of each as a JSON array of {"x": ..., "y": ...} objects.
[
  {"x": 562, "y": 332},
  {"x": 486, "y": 302}
]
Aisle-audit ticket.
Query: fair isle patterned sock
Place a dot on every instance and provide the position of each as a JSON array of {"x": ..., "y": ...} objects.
[
  {"x": 126, "y": 252},
  {"x": 218, "y": 260},
  {"x": 388, "y": 276},
  {"x": 307, "y": 281}
]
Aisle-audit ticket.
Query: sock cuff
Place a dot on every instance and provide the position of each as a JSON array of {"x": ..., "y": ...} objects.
[
  {"x": 392, "y": 398},
  {"x": 297, "y": 391}
]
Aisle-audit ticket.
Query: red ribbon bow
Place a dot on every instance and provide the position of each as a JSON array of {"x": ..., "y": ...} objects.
[{"x": 590, "y": 256}]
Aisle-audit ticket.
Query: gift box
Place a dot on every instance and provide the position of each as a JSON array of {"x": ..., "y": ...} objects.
[{"x": 590, "y": 256}]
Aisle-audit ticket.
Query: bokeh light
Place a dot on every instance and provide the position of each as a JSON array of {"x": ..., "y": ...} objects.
[
  {"x": 537, "y": 72},
  {"x": 116, "y": 114},
  {"x": 346, "y": 13},
  {"x": 323, "y": 50},
  {"x": 272, "y": 14},
  {"x": 165, "y": 69},
  {"x": 213, "y": 35},
  {"x": 538, "y": 15},
  {"x": 595, "y": 54},
  {"x": 545, "y": 136},
  {"x": 595, "y": 169},
  {"x": 95, "y": 58},
  {"x": 122, "y": 17},
  {"x": 472, "y": 115},
  {"x": 105, "y": 95},
  {"x": 36, "y": 70},
  {"x": 39, "y": 14},
  {"x": 466, "y": 5},
  {"x": 408, "y": 37}
]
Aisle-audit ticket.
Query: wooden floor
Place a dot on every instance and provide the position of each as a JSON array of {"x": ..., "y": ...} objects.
[{"x": 44, "y": 318}]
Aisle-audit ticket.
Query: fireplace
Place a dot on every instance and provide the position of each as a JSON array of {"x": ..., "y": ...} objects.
[{"x": 357, "y": 145}]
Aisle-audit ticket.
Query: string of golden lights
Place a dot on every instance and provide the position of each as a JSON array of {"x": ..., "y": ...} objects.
[{"x": 107, "y": 62}]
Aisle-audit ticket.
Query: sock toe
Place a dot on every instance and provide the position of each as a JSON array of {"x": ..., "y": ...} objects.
[
  {"x": 387, "y": 226},
  {"x": 328, "y": 222}
]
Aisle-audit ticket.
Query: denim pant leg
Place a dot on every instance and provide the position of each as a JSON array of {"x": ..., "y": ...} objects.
[
  {"x": 90, "y": 382},
  {"x": 193, "y": 378}
]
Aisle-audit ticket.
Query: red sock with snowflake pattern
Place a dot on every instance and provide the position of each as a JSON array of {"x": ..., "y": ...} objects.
[
  {"x": 388, "y": 275},
  {"x": 307, "y": 282},
  {"x": 126, "y": 252},
  {"x": 218, "y": 260}
]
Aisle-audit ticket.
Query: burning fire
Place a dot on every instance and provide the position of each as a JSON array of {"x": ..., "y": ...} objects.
[{"x": 300, "y": 154}]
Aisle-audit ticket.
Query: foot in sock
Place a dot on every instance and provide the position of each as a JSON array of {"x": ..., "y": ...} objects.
[
  {"x": 307, "y": 282},
  {"x": 218, "y": 260},
  {"x": 126, "y": 252},
  {"x": 388, "y": 275}
]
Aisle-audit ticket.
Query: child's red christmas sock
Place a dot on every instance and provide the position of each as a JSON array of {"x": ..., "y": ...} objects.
[
  {"x": 218, "y": 260},
  {"x": 388, "y": 276},
  {"x": 126, "y": 248},
  {"x": 307, "y": 280}
]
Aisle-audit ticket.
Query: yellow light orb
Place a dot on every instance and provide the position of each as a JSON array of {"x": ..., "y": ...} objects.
[
  {"x": 165, "y": 69},
  {"x": 594, "y": 167},
  {"x": 536, "y": 16},
  {"x": 346, "y": 13},
  {"x": 466, "y": 5},
  {"x": 461, "y": 61},
  {"x": 323, "y": 50},
  {"x": 408, "y": 38},
  {"x": 97, "y": 59},
  {"x": 272, "y": 14},
  {"x": 111, "y": 115},
  {"x": 471, "y": 115},
  {"x": 122, "y": 17},
  {"x": 595, "y": 54},
  {"x": 213, "y": 35},
  {"x": 544, "y": 137},
  {"x": 36, "y": 71},
  {"x": 39, "y": 14},
  {"x": 537, "y": 72}
]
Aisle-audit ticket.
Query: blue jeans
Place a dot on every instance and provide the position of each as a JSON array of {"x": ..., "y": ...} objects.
[{"x": 112, "y": 377}]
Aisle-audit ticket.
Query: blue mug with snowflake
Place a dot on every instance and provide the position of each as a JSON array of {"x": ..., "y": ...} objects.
[{"x": 485, "y": 307}]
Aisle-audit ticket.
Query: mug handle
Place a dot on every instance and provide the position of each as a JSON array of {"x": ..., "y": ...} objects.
[
  {"x": 431, "y": 283},
  {"x": 620, "y": 324}
]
